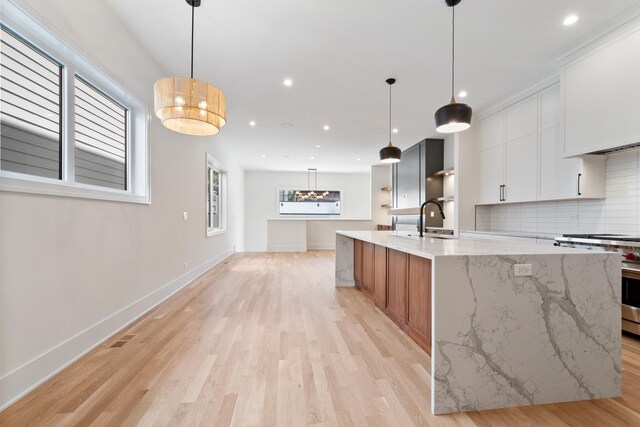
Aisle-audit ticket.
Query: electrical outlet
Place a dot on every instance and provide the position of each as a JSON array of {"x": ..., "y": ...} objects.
[
  {"x": 522, "y": 270},
  {"x": 186, "y": 264},
  {"x": 185, "y": 215},
  {"x": 432, "y": 214}
]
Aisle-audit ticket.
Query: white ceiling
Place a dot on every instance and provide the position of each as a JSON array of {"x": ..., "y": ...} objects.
[{"x": 339, "y": 53}]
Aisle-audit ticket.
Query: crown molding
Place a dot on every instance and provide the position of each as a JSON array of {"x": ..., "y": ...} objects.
[
  {"x": 518, "y": 96},
  {"x": 618, "y": 27}
]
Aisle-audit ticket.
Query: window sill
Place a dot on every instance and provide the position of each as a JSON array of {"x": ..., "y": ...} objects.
[
  {"x": 48, "y": 187},
  {"x": 216, "y": 232}
]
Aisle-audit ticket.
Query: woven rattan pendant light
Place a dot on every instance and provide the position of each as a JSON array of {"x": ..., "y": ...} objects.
[{"x": 188, "y": 105}]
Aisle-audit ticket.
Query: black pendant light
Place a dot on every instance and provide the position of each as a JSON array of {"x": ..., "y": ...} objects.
[
  {"x": 390, "y": 154},
  {"x": 453, "y": 117}
]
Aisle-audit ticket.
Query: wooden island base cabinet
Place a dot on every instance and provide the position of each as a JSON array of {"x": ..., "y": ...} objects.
[{"x": 399, "y": 284}]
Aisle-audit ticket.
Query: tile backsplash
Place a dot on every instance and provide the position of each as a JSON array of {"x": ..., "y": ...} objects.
[{"x": 618, "y": 213}]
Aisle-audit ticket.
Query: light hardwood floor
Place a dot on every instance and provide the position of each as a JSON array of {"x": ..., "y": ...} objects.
[{"x": 266, "y": 339}]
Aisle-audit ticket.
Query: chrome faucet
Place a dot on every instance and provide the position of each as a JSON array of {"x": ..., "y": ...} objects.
[{"x": 421, "y": 222}]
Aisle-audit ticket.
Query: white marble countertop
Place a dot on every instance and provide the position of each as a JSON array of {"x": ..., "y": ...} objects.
[
  {"x": 318, "y": 218},
  {"x": 526, "y": 234},
  {"x": 499, "y": 340},
  {"x": 430, "y": 247}
]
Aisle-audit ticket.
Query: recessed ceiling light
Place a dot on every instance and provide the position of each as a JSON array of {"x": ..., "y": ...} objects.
[
  {"x": 252, "y": 123},
  {"x": 317, "y": 146},
  {"x": 286, "y": 125},
  {"x": 264, "y": 156},
  {"x": 570, "y": 20},
  {"x": 326, "y": 127},
  {"x": 395, "y": 130},
  {"x": 463, "y": 94},
  {"x": 312, "y": 157},
  {"x": 358, "y": 159},
  {"x": 286, "y": 156},
  {"x": 287, "y": 82}
]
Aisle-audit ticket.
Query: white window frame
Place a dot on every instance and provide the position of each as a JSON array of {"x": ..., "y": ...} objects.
[
  {"x": 214, "y": 164},
  {"x": 138, "y": 118}
]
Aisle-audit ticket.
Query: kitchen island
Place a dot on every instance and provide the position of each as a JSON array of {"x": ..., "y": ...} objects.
[{"x": 498, "y": 339}]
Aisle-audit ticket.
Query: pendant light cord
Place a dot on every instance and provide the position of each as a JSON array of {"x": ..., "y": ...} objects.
[
  {"x": 453, "y": 51},
  {"x": 390, "y": 114},
  {"x": 193, "y": 10}
]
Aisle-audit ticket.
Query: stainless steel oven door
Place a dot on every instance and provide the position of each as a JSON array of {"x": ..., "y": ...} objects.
[{"x": 630, "y": 303}]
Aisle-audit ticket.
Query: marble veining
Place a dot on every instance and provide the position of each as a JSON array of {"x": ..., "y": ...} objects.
[
  {"x": 502, "y": 341},
  {"x": 512, "y": 341},
  {"x": 344, "y": 261}
]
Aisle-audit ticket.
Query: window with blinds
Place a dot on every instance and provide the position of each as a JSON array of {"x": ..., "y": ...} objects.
[
  {"x": 100, "y": 138},
  {"x": 30, "y": 109},
  {"x": 66, "y": 128}
]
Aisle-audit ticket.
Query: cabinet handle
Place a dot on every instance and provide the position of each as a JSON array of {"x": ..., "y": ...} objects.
[
  {"x": 500, "y": 193},
  {"x": 579, "y": 180}
]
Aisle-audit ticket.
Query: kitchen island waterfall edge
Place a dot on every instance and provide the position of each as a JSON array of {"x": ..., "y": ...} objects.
[{"x": 500, "y": 340}]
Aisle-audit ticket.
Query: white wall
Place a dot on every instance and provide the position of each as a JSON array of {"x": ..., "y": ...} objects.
[
  {"x": 74, "y": 270},
  {"x": 261, "y": 202},
  {"x": 618, "y": 213}
]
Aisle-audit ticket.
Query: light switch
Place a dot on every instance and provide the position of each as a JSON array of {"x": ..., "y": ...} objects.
[{"x": 185, "y": 215}]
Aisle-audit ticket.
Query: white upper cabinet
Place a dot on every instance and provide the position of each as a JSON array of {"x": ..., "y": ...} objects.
[
  {"x": 521, "y": 151},
  {"x": 602, "y": 97},
  {"x": 491, "y": 131},
  {"x": 550, "y": 106},
  {"x": 520, "y": 155},
  {"x": 490, "y": 175},
  {"x": 522, "y": 118},
  {"x": 564, "y": 178},
  {"x": 521, "y": 169},
  {"x": 490, "y": 158}
]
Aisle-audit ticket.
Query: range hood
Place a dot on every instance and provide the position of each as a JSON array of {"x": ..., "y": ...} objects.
[{"x": 616, "y": 149}]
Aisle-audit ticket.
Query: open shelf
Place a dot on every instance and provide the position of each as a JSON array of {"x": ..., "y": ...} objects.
[{"x": 445, "y": 172}]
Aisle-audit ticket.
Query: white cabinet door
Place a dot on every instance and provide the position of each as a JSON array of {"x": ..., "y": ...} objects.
[
  {"x": 558, "y": 175},
  {"x": 601, "y": 93},
  {"x": 522, "y": 118},
  {"x": 490, "y": 158},
  {"x": 521, "y": 169},
  {"x": 490, "y": 131},
  {"x": 521, "y": 151},
  {"x": 550, "y": 104},
  {"x": 490, "y": 175}
]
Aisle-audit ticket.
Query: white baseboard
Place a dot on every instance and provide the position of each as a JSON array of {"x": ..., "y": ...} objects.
[
  {"x": 321, "y": 246},
  {"x": 22, "y": 380},
  {"x": 293, "y": 248}
]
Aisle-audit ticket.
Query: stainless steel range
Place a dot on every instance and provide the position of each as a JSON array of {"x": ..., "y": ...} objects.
[{"x": 629, "y": 249}]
